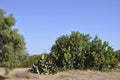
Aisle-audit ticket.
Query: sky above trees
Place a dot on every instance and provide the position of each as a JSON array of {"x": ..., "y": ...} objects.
[{"x": 42, "y": 21}]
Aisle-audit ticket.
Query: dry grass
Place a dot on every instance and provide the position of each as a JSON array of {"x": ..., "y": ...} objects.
[{"x": 22, "y": 74}]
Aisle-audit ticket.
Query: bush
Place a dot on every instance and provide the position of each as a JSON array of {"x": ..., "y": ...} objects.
[{"x": 77, "y": 51}]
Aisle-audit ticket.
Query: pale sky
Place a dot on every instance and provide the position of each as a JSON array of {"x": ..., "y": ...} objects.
[{"x": 42, "y": 21}]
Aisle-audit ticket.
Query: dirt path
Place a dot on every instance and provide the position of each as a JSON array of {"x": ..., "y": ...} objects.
[{"x": 22, "y": 74}]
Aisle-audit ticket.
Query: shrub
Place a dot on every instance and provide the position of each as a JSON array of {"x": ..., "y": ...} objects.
[{"x": 77, "y": 51}]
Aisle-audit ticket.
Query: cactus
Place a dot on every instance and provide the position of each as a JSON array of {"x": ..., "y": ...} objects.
[{"x": 44, "y": 66}]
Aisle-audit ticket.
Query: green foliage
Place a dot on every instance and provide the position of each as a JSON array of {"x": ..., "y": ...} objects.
[
  {"x": 44, "y": 65},
  {"x": 12, "y": 45},
  {"x": 118, "y": 55},
  {"x": 68, "y": 52},
  {"x": 62, "y": 47},
  {"x": 30, "y": 60},
  {"x": 103, "y": 56},
  {"x": 78, "y": 51}
]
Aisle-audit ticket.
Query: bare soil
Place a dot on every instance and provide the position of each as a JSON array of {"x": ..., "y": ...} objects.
[{"x": 23, "y": 74}]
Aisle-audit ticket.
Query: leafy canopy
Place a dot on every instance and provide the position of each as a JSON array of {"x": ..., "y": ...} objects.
[
  {"x": 80, "y": 51},
  {"x": 12, "y": 44}
]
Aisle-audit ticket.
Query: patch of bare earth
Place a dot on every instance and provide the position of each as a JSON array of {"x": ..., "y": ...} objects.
[{"x": 23, "y": 74}]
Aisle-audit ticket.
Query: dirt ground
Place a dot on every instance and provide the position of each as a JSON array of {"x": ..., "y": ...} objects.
[{"x": 23, "y": 74}]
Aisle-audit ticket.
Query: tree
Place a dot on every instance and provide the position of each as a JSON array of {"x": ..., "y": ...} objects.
[
  {"x": 30, "y": 60},
  {"x": 12, "y": 44},
  {"x": 78, "y": 51},
  {"x": 69, "y": 51}
]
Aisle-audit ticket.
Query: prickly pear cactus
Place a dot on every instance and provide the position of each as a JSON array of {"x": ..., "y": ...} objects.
[{"x": 44, "y": 66}]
